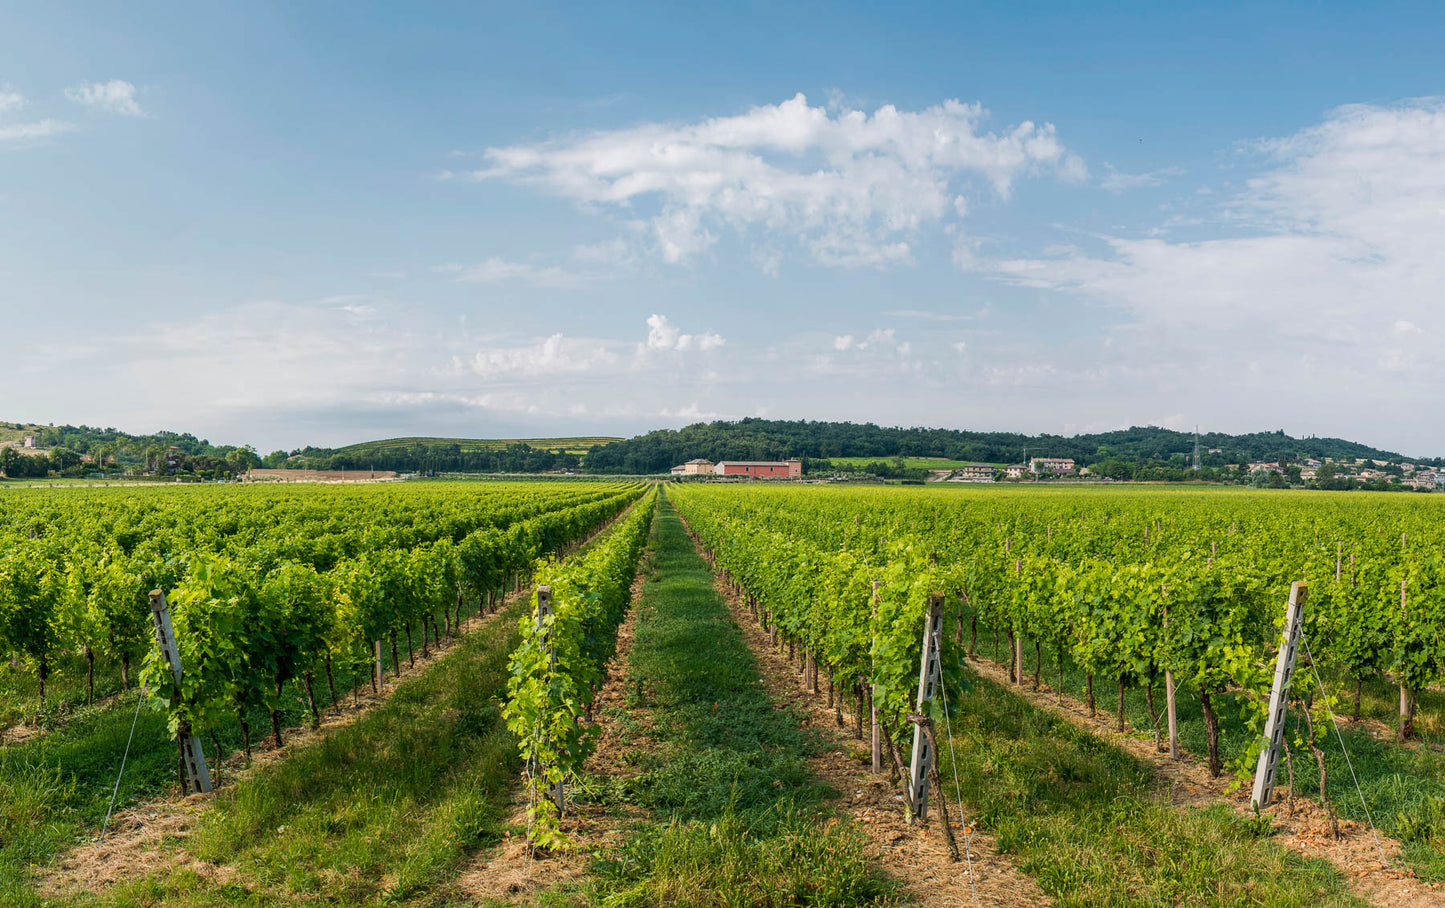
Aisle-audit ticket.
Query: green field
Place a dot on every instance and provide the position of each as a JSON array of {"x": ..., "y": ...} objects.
[{"x": 576, "y": 445}]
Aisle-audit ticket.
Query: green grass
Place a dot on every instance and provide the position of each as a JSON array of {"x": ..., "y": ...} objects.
[
  {"x": 379, "y": 812},
  {"x": 54, "y": 787},
  {"x": 1404, "y": 786},
  {"x": 573, "y": 445},
  {"x": 1086, "y": 820},
  {"x": 66, "y": 774},
  {"x": 738, "y": 817}
]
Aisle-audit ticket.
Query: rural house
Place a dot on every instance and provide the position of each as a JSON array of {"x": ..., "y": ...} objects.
[
  {"x": 760, "y": 468},
  {"x": 693, "y": 467}
]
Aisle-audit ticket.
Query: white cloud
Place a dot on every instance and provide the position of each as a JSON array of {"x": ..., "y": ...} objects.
[
  {"x": 1117, "y": 182},
  {"x": 883, "y": 340},
  {"x": 116, "y": 96},
  {"x": 498, "y": 270},
  {"x": 21, "y": 133},
  {"x": 930, "y": 316},
  {"x": 661, "y": 335},
  {"x": 1341, "y": 241},
  {"x": 25, "y": 133},
  {"x": 551, "y": 356},
  {"x": 1319, "y": 273},
  {"x": 851, "y": 188},
  {"x": 611, "y": 252}
]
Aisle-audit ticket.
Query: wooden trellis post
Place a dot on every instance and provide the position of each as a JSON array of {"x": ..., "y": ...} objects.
[
  {"x": 877, "y": 736},
  {"x": 544, "y": 633},
  {"x": 1279, "y": 697},
  {"x": 930, "y": 671},
  {"x": 193, "y": 758}
]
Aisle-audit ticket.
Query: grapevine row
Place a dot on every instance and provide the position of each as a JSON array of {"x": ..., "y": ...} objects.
[
  {"x": 254, "y": 608},
  {"x": 1126, "y": 587},
  {"x": 561, "y": 661}
]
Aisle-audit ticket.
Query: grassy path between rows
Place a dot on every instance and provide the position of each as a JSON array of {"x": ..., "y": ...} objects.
[
  {"x": 377, "y": 813},
  {"x": 1403, "y": 784},
  {"x": 737, "y": 817},
  {"x": 1094, "y": 826}
]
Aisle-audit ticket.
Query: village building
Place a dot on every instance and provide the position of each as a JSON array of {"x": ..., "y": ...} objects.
[
  {"x": 760, "y": 469},
  {"x": 1015, "y": 471},
  {"x": 694, "y": 467},
  {"x": 974, "y": 472},
  {"x": 1063, "y": 466}
]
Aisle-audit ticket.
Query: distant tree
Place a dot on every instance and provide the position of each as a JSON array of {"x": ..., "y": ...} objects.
[{"x": 62, "y": 459}]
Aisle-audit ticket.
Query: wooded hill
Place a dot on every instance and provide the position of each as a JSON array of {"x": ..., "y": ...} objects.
[
  {"x": 763, "y": 439},
  {"x": 1138, "y": 452}
]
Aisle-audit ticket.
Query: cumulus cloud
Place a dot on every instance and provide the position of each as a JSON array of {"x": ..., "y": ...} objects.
[
  {"x": 116, "y": 96},
  {"x": 852, "y": 188},
  {"x": 662, "y": 335}
]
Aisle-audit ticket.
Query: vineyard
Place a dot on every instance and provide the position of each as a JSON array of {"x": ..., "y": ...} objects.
[
  {"x": 500, "y": 614},
  {"x": 1119, "y": 594}
]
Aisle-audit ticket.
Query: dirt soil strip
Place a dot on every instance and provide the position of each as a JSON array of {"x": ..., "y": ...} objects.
[
  {"x": 1301, "y": 825},
  {"x": 912, "y": 855},
  {"x": 510, "y": 872}
]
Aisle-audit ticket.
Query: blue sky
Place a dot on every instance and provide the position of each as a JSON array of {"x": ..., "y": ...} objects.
[{"x": 288, "y": 224}]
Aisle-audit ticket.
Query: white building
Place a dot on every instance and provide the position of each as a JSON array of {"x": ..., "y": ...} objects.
[
  {"x": 693, "y": 467},
  {"x": 973, "y": 472},
  {"x": 1061, "y": 466}
]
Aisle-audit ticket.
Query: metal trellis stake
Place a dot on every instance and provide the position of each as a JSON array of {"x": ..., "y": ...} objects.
[
  {"x": 193, "y": 758},
  {"x": 1279, "y": 697},
  {"x": 930, "y": 672}
]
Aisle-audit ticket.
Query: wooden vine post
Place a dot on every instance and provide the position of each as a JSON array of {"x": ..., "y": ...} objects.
[
  {"x": 930, "y": 671},
  {"x": 1407, "y": 696},
  {"x": 1170, "y": 700},
  {"x": 194, "y": 775},
  {"x": 544, "y": 633},
  {"x": 877, "y": 736},
  {"x": 380, "y": 670},
  {"x": 1279, "y": 697}
]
